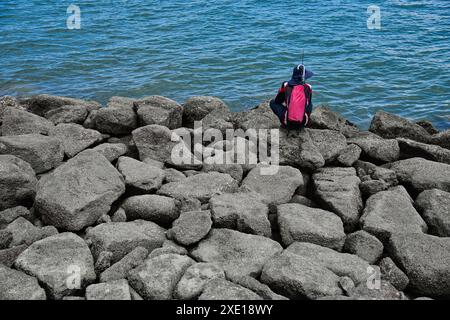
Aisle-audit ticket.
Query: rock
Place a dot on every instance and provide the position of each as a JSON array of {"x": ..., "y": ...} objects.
[
  {"x": 221, "y": 289},
  {"x": 159, "y": 110},
  {"x": 79, "y": 192},
  {"x": 434, "y": 206},
  {"x": 111, "y": 151},
  {"x": 302, "y": 200},
  {"x": 391, "y": 212},
  {"x": 134, "y": 294},
  {"x": 17, "y": 122},
  {"x": 346, "y": 284},
  {"x": 43, "y": 103},
  {"x": 41, "y": 152},
  {"x": 364, "y": 245},
  {"x": 236, "y": 252},
  {"x": 63, "y": 263},
  {"x": 297, "y": 149},
  {"x": 140, "y": 178},
  {"x": 324, "y": 118},
  {"x": 390, "y": 272},
  {"x": 242, "y": 211},
  {"x": 428, "y": 126},
  {"x": 442, "y": 139},
  {"x": 75, "y": 138},
  {"x": 9, "y": 215},
  {"x": 385, "y": 292},
  {"x": 157, "y": 278},
  {"x": 154, "y": 142},
  {"x": 8, "y": 102},
  {"x": 89, "y": 122},
  {"x": 17, "y": 184},
  {"x": 254, "y": 285},
  {"x": 390, "y": 126},
  {"x": 23, "y": 232},
  {"x": 419, "y": 174},
  {"x": 377, "y": 173},
  {"x": 173, "y": 175},
  {"x": 376, "y": 148},
  {"x": 196, "y": 108},
  {"x": 9, "y": 256},
  {"x": 68, "y": 114},
  {"x": 191, "y": 204},
  {"x": 371, "y": 187},
  {"x": 103, "y": 219},
  {"x": 120, "y": 269},
  {"x": 348, "y": 156},
  {"x": 103, "y": 261},
  {"x": 338, "y": 191},
  {"x": 411, "y": 148},
  {"x": 159, "y": 209},
  {"x": 426, "y": 261},
  {"x": 305, "y": 224},
  {"x": 6, "y": 237},
  {"x": 114, "y": 290},
  {"x": 195, "y": 278},
  {"x": 176, "y": 248},
  {"x": 122, "y": 237},
  {"x": 330, "y": 143},
  {"x": 117, "y": 118},
  {"x": 17, "y": 285},
  {"x": 234, "y": 170},
  {"x": 275, "y": 188},
  {"x": 220, "y": 119},
  {"x": 201, "y": 186},
  {"x": 260, "y": 117},
  {"x": 190, "y": 227},
  {"x": 119, "y": 216}
]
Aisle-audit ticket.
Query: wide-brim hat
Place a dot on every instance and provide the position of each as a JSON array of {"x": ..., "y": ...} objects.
[{"x": 297, "y": 75}]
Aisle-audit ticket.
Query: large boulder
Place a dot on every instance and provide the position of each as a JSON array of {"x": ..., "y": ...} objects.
[
  {"x": 324, "y": 118},
  {"x": 8, "y": 102},
  {"x": 17, "y": 182},
  {"x": 201, "y": 186},
  {"x": 391, "y": 212},
  {"x": 190, "y": 227},
  {"x": 338, "y": 190},
  {"x": 275, "y": 188},
  {"x": 157, "y": 277},
  {"x": 301, "y": 223},
  {"x": 117, "y": 118},
  {"x": 434, "y": 206},
  {"x": 68, "y": 114},
  {"x": 391, "y": 126},
  {"x": 196, "y": 108},
  {"x": 242, "y": 211},
  {"x": 375, "y": 148},
  {"x": 79, "y": 192},
  {"x": 17, "y": 122},
  {"x": 237, "y": 253},
  {"x": 43, "y": 103},
  {"x": 159, "y": 209},
  {"x": 159, "y": 110},
  {"x": 75, "y": 138},
  {"x": 121, "y": 238},
  {"x": 62, "y": 263},
  {"x": 419, "y": 174},
  {"x": 221, "y": 289},
  {"x": 41, "y": 152},
  {"x": 426, "y": 261},
  {"x": 17, "y": 285},
  {"x": 330, "y": 143},
  {"x": 410, "y": 148},
  {"x": 140, "y": 177},
  {"x": 260, "y": 117}
]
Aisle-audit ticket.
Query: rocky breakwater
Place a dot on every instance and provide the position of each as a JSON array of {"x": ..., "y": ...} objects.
[{"x": 93, "y": 206}]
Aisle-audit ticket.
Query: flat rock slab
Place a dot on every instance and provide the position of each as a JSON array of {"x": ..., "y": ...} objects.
[
  {"x": 41, "y": 152},
  {"x": 122, "y": 237},
  {"x": 338, "y": 190},
  {"x": 140, "y": 177},
  {"x": 79, "y": 192},
  {"x": 151, "y": 207},
  {"x": 434, "y": 206},
  {"x": 426, "y": 261},
  {"x": 390, "y": 212},
  {"x": 301, "y": 223},
  {"x": 201, "y": 186},
  {"x": 17, "y": 285},
  {"x": 236, "y": 252},
  {"x": 114, "y": 290},
  {"x": 190, "y": 227},
  {"x": 17, "y": 122},
  {"x": 221, "y": 289},
  {"x": 157, "y": 277},
  {"x": 63, "y": 263}
]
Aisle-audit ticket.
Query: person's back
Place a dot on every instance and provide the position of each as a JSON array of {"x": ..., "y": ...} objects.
[{"x": 293, "y": 103}]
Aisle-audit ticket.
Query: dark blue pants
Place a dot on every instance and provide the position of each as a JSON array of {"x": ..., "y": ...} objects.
[{"x": 278, "y": 109}]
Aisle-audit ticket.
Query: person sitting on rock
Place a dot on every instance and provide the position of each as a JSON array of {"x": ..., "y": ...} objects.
[{"x": 293, "y": 104}]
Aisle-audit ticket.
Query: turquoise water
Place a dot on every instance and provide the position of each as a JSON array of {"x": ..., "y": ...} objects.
[{"x": 239, "y": 51}]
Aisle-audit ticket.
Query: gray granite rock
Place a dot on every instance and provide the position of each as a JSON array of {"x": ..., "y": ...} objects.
[
  {"x": 111, "y": 151},
  {"x": 390, "y": 272},
  {"x": 364, "y": 245},
  {"x": 324, "y": 118},
  {"x": 410, "y": 148},
  {"x": 159, "y": 209},
  {"x": 17, "y": 285},
  {"x": 43, "y": 103},
  {"x": 159, "y": 110},
  {"x": 9, "y": 215},
  {"x": 120, "y": 269},
  {"x": 114, "y": 290},
  {"x": 196, "y": 108},
  {"x": 434, "y": 206},
  {"x": 348, "y": 156},
  {"x": 140, "y": 177},
  {"x": 117, "y": 118},
  {"x": 190, "y": 227},
  {"x": 68, "y": 114},
  {"x": 75, "y": 138},
  {"x": 221, "y": 289},
  {"x": 17, "y": 122},
  {"x": 376, "y": 148},
  {"x": 329, "y": 142}
]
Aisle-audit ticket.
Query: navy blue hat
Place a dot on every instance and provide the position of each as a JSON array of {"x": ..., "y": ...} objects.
[{"x": 299, "y": 75}]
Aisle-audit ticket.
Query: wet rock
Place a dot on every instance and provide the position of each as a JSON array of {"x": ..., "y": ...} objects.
[
  {"x": 236, "y": 252},
  {"x": 221, "y": 289},
  {"x": 111, "y": 151},
  {"x": 120, "y": 269},
  {"x": 426, "y": 261},
  {"x": 43, "y": 103},
  {"x": 390, "y": 272},
  {"x": 9, "y": 215},
  {"x": 41, "y": 152},
  {"x": 114, "y": 290},
  {"x": 17, "y": 122},
  {"x": 159, "y": 209},
  {"x": 117, "y": 118},
  {"x": 434, "y": 207},
  {"x": 196, "y": 108},
  {"x": 159, "y": 110},
  {"x": 195, "y": 278},
  {"x": 17, "y": 185},
  {"x": 9, "y": 256},
  {"x": 330, "y": 143},
  {"x": 79, "y": 192},
  {"x": 305, "y": 224},
  {"x": 157, "y": 277},
  {"x": 201, "y": 186},
  {"x": 260, "y": 117},
  {"x": 17, "y": 285},
  {"x": 68, "y": 114},
  {"x": 375, "y": 148},
  {"x": 54, "y": 259},
  {"x": 190, "y": 227},
  {"x": 338, "y": 191},
  {"x": 411, "y": 148},
  {"x": 324, "y": 118},
  {"x": 140, "y": 178},
  {"x": 364, "y": 245},
  {"x": 391, "y": 212},
  {"x": 348, "y": 156},
  {"x": 122, "y": 237},
  {"x": 75, "y": 138}
]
